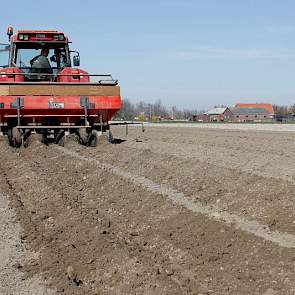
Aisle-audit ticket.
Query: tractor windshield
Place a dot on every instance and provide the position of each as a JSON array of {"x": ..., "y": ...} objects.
[
  {"x": 4, "y": 55},
  {"x": 42, "y": 58}
]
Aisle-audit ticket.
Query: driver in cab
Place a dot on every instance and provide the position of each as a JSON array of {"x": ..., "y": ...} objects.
[{"x": 41, "y": 62}]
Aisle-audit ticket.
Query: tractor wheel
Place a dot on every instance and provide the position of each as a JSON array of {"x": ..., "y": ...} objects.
[
  {"x": 44, "y": 138},
  {"x": 26, "y": 137},
  {"x": 14, "y": 137},
  {"x": 60, "y": 138},
  {"x": 94, "y": 138},
  {"x": 9, "y": 135},
  {"x": 83, "y": 136}
]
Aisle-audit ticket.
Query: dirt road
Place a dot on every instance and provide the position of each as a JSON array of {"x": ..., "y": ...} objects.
[{"x": 170, "y": 211}]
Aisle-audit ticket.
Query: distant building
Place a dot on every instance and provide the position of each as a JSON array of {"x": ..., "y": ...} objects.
[
  {"x": 242, "y": 112},
  {"x": 266, "y": 106},
  {"x": 250, "y": 114},
  {"x": 217, "y": 115}
]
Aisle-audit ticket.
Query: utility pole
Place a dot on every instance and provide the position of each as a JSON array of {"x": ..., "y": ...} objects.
[{"x": 150, "y": 112}]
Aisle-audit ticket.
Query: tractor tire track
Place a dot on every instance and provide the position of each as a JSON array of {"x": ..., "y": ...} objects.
[
  {"x": 14, "y": 255},
  {"x": 213, "y": 212}
]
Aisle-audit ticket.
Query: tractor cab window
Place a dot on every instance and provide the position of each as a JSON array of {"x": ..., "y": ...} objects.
[
  {"x": 57, "y": 59},
  {"x": 40, "y": 59},
  {"x": 4, "y": 55}
]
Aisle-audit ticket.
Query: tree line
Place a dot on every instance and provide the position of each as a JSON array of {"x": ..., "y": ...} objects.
[
  {"x": 284, "y": 111},
  {"x": 153, "y": 111}
]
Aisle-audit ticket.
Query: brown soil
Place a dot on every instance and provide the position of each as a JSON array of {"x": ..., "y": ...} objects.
[{"x": 170, "y": 211}]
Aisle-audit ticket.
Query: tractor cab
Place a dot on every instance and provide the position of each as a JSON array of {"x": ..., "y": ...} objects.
[{"x": 39, "y": 55}]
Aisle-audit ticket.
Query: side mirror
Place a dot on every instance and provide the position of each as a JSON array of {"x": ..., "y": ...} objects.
[
  {"x": 76, "y": 61},
  {"x": 4, "y": 55}
]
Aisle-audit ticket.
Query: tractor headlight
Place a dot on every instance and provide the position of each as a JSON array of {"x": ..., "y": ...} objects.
[{"x": 59, "y": 37}]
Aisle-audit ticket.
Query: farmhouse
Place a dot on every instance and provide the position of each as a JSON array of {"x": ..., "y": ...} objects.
[{"x": 244, "y": 114}]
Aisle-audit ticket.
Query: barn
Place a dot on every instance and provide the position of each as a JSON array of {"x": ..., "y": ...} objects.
[{"x": 218, "y": 115}]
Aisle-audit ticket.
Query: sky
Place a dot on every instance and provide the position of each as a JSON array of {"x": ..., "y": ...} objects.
[{"x": 189, "y": 53}]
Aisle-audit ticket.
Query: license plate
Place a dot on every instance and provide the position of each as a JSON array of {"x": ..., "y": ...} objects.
[
  {"x": 56, "y": 105},
  {"x": 40, "y": 36}
]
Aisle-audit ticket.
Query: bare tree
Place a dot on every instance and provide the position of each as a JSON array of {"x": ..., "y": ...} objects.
[
  {"x": 282, "y": 111},
  {"x": 157, "y": 110},
  {"x": 127, "y": 111}
]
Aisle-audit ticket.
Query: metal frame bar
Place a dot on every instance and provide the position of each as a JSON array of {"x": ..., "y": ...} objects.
[
  {"x": 111, "y": 79},
  {"x": 85, "y": 104},
  {"x": 126, "y": 124},
  {"x": 19, "y": 106},
  {"x": 55, "y": 75},
  {"x": 28, "y": 116},
  {"x": 52, "y": 127},
  {"x": 99, "y": 83}
]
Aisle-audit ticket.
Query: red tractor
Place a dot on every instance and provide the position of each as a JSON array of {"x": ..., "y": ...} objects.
[{"x": 43, "y": 91}]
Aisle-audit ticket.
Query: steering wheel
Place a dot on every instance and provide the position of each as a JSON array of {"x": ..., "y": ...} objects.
[{"x": 53, "y": 58}]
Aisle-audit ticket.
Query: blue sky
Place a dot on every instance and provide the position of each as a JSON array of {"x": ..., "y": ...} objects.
[{"x": 192, "y": 54}]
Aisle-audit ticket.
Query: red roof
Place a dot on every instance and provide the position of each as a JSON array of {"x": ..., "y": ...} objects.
[{"x": 266, "y": 106}]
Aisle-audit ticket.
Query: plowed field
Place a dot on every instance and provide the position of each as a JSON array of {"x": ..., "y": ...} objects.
[{"x": 168, "y": 211}]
